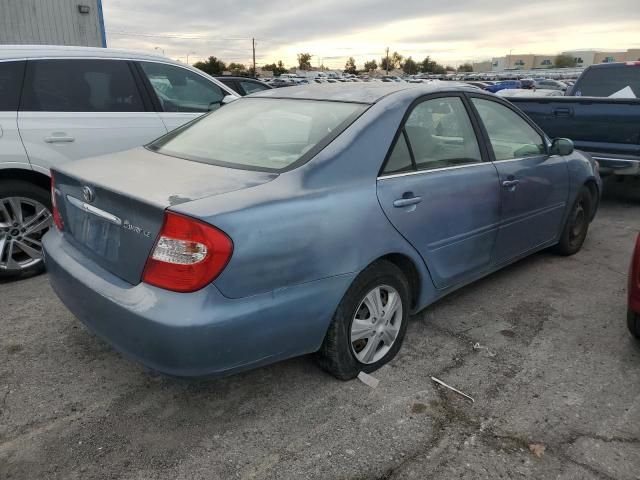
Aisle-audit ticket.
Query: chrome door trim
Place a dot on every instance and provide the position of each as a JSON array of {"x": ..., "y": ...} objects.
[{"x": 420, "y": 172}]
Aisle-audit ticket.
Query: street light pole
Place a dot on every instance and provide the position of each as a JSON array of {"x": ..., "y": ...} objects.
[
  {"x": 159, "y": 49},
  {"x": 387, "y": 60},
  {"x": 253, "y": 44},
  {"x": 191, "y": 53}
]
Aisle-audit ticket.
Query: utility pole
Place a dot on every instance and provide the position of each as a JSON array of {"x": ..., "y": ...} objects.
[
  {"x": 387, "y": 60},
  {"x": 253, "y": 44}
]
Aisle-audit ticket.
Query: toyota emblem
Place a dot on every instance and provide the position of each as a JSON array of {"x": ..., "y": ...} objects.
[{"x": 87, "y": 194}]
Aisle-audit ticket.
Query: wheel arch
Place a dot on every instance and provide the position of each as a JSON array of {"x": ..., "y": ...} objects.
[
  {"x": 593, "y": 188},
  {"x": 410, "y": 271},
  {"x": 36, "y": 178}
]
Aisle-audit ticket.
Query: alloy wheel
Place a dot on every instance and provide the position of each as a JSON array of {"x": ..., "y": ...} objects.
[
  {"x": 23, "y": 222},
  {"x": 376, "y": 324}
]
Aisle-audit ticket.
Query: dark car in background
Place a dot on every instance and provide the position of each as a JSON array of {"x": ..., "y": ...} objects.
[
  {"x": 243, "y": 85},
  {"x": 607, "y": 128},
  {"x": 504, "y": 85}
]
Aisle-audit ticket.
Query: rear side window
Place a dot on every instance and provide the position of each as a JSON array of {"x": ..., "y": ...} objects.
[
  {"x": 604, "y": 82},
  {"x": 400, "y": 159},
  {"x": 10, "y": 84},
  {"x": 80, "y": 86},
  {"x": 180, "y": 90},
  {"x": 252, "y": 87}
]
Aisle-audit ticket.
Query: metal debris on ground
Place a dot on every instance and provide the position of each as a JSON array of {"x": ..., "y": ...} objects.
[
  {"x": 477, "y": 346},
  {"x": 451, "y": 388},
  {"x": 368, "y": 379}
]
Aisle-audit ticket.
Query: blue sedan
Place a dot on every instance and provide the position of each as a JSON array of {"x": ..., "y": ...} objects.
[{"x": 314, "y": 219}]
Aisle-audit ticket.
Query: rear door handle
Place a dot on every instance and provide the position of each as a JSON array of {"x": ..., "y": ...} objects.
[
  {"x": 406, "y": 202},
  {"x": 562, "y": 112},
  {"x": 59, "y": 139},
  {"x": 510, "y": 183}
]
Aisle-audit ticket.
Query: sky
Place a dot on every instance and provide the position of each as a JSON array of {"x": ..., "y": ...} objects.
[{"x": 449, "y": 31}]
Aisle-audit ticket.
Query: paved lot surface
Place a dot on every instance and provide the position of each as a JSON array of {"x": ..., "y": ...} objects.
[{"x": 559, "y": 371}]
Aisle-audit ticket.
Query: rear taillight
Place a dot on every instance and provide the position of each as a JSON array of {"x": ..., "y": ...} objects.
[
  {"x": 188, "y": 254},
  {"x": 634, "y": 279},
  {"x": 57, "y": 219}
]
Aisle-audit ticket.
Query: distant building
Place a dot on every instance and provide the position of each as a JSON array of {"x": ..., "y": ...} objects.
[
  {"x": 482, "y": 66},
  {"x": 52, "y": 22},
  {"x": 583, "y": 58}
]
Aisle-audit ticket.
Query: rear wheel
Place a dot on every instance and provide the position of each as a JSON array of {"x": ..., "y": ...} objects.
[
  {"x": 25, "y": 216},
  {"x": 576, "y": 227},
  {"x": 633, "y": 322},
  {"x": 369, "y": 325}
]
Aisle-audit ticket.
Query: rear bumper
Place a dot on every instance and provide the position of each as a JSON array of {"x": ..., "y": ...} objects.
[{"x": 194, "y": 334}]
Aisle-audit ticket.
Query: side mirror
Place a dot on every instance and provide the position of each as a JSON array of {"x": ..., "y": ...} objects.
[
  {"x": 226, "y": 99},
  {"x": 562, "y": 146}
]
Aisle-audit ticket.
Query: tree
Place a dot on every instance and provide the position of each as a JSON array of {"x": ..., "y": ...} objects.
[
  {"x": 370, "y": 66},
  {"x": 564, "y": 61},
  {"x": 426, "y": 66},
  {"x": 465, "y": 67},
  {"x": 396, "y": 60},
  {"x": 410, "y": 67},
  {"x": 304, "y": 61},
  {"x": 386, "y": 65},
  {"x": 237, "y": 68},
  {"x": 350, "y": 66},
  {"x": 212, "y": 66},
  {"x": 277, "y": 70}
]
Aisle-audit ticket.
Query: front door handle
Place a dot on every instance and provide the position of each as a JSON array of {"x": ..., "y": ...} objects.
[
  {"x": 406, "y": 202},
  {"x": 511, "y": 184},
  {"x": 59, "y": 139}
]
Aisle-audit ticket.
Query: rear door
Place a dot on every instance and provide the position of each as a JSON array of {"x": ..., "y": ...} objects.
[
  {"x": 77, "y": 108},
  {"x": 182, "y": 95},
  {"x": 12, "y": 153},
  {"x": 440, "y": 193},
  {"x": 534, "y": 184}
]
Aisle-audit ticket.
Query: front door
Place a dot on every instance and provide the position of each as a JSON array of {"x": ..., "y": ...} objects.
[
  {"x": 440, "y": 194},
  {"x": 77, "y": 108},
  {"x": 534, "y": 184}
]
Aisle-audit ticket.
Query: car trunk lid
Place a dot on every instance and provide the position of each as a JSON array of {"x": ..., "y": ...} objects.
[{"x": 113, "y": 206}]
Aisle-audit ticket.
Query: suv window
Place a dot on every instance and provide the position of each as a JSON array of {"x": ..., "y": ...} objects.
[
  {"x": 603, "y": 82},
  {"x": 251, "y": 87},
  {"x": 10, "y": 84},
  {"x": 180, "y": 90},
  {"x": 78, "y": 85},
  {"x": 441, "y": 135},
  {"x": 510, "y": 135}
]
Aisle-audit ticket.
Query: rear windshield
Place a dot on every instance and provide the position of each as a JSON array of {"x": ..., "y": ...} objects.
[
  {"x": 604, "y": 82},
  {"x": 260, "y": 133}
]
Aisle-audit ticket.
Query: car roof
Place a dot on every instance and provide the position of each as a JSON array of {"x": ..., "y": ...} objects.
[
  {"x": 360, "y": 92},
  {"x": 14, "y": 52}
]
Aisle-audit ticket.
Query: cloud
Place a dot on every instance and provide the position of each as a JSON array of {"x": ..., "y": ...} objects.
[{"x": 335, "y": 29}]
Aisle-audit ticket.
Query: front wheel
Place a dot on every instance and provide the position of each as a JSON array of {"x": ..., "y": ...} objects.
[
  {"x": 370, "y": 323},
  {"x": 25, "y": 216},
  {"x": 576, "y": 227}
]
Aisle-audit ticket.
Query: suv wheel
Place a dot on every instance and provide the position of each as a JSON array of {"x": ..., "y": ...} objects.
[{"x": 25, "y": 216}]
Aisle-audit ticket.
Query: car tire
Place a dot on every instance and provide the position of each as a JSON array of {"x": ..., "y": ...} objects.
[
  {"x": 633, "y": 323},
  {"x": 576, "y": 226},
  {"x": 344, "y": 358},
  {"x": 32, "y": 201}
]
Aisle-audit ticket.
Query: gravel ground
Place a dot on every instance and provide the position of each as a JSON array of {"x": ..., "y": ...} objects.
[{"x": 556, "y": 387}]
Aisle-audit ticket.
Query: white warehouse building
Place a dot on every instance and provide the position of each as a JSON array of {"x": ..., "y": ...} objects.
[{"x": 52, "y": 22}]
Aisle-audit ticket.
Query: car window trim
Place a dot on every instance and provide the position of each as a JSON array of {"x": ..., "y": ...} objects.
[
  {"x": 424, "y": 98},
  {"x": 21, "y": 83},
  {"x": 517, "y": 111},
  {"x": 146, "y": 87},
  {"x": 28, "y": 72}
]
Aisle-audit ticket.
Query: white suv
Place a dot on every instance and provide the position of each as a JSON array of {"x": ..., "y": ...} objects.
[{"x": 65, "y": 103}]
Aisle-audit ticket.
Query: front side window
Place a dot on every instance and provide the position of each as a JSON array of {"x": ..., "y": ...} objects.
[
  {"x": 260, "y": 133},
  {"x": 180, "y": 90},
  {"x": 78, "y": 85},
  {"x": 441, "y": 135},
  {"x": 510, "y": 135},
  {"x": 10, "y": 85}
]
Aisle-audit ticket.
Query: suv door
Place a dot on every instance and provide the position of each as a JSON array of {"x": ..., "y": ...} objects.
[
  {"x": 12, "y": 153},
  {"x": 439, "y": 190},
  {"x": 182, "y": 95},
  {"x": 76, "y": 108},
  {"x": 535, "y": 185}
]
